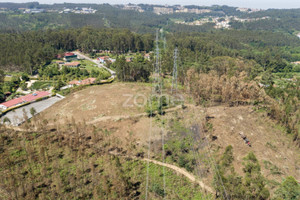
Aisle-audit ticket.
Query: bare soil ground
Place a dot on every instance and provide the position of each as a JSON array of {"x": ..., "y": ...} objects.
[
  {"x": 100, "y": 101},
  {"x": 273, "y": 147},
  {"x": 269, "y": 142},
  {"x": 277, "y": 154}
]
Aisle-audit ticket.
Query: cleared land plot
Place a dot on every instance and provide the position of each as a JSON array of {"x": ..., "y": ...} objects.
[
  {"x": 276, "y": 152},
  {"x": 92, "y": 103},
  {"x": 16, "y": 116}
]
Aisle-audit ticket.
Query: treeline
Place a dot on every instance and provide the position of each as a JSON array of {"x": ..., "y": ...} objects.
[
  {"x": 139, "y": 69},
  {"x": 272, "y": 51},
  {"x": 26, "y": 51},
  {"x": 286, "y": 20},
  {"x": 285, "y": 25},
  {"x": 106, "y": 16}
]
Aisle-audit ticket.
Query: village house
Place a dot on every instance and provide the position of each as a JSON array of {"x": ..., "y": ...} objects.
[
  {"x": 147, "y": 56},
  {"x": 103, "y": 59},
  {"x": 87, "y": 81},
  {"x": 72, "y": 64},
  {"x": 296, "y": 63},
  {"x": 23, "y": 99},
  {"x": 70, "y": 57},
  {"x": 59, "y": 62}
]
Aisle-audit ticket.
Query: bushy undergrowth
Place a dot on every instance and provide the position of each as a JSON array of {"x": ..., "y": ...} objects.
[{"x": 73, "y": 162}]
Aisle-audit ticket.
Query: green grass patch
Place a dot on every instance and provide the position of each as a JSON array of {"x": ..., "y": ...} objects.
[
  {"x": 89, "y": 65},
  {"x": 41, "y": 85},
  {"x": 7, "y": 78}
]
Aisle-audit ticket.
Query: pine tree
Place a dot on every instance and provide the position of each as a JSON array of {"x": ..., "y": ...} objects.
[
  {"x": 288, "y": 190},
  {"x": 254, "y": 182},
  {"x": 227, "y": 183}
]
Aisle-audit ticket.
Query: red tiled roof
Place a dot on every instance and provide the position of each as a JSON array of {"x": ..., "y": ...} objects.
[
  {"x": 69, "y": 54},
  {"x": 72, "y": 64},
  {"x": 26, "y": 98},
  {"x": 83, "y": 82},
  {"x": 103, "y": 58},
  {"x": 36, "y": 95},
  {"x": 12, "y": 102}
]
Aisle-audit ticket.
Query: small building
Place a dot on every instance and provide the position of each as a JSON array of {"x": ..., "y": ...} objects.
[
  {"x": 147, "y": 56},
  {"x": 103, "y": 59},
  {"x": 34, "y": 10},
  {"x": 11, "y": 103},
  {"x": 112, "y": 60},
  {"x": 59, "y": 62},
  {"x": 24, "y": 99},
  {"x": 72, "y": 64},
  {"x": 70, "y": 57},
  {"x": 87, "y": 81},
  {"x": 296, "y": 63}
]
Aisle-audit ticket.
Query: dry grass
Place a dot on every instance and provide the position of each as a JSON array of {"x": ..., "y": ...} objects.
[{"x": 95, "y": 102}]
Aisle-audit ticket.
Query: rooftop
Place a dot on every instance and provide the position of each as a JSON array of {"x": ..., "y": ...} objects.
[
  {"x": 75, "y": 63},
  {"x": 83, "y": 82},
  {"x": 26, "y": 98}
]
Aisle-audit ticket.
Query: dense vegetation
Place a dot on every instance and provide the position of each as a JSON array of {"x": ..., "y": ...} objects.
[
  {"x": 37, "y": 48},
  {"x": 283, "y": 20},
  {"x": 137, "y": 70},
  {"x": 253, "y": 185},
  {"x": 64, "y": 163}
]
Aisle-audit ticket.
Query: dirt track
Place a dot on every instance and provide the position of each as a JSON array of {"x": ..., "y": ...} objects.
[
  {"x": 178, "y": 170},
  {"x": 183, "y": 172}
]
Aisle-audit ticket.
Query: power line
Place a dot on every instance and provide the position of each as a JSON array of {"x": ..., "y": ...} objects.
[
  {"x": 213, "y": 162},
  {"x": 174, "y": 77},
  {"x": 155, "y": 70},
  {"x": 161, "y": 111},
  {"x": 157, "y": 57}
]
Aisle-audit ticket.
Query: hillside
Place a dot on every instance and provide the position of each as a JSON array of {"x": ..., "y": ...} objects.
[
  {"x": 149, "y": 102},
  {"x": 217, "y": 127}
]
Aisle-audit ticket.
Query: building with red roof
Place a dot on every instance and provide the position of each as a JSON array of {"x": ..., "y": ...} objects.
[
  {"x": 103, "y": 59},
  {"x": 87, "y": 81},
  {"x": 70, "y": 56},
  {"x": 24, "y": 99},
  {"x": 72, "y": 64}
]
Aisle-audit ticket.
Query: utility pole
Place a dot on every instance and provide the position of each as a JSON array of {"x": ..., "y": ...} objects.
[
  {"x": 174, "y": 78},
  {"x": 157, "y": 57}
]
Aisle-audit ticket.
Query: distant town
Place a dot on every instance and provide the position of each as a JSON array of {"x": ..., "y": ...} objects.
[
  {"x": 161, "y": 10},
  {"x": 65, "y": 10},
  {"x": 220, "y": 22},
  {"x": 157, "y": 9}
]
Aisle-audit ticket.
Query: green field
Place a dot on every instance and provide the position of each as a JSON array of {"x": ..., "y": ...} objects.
[
  {"x": 7, "y": 78},
  {"x": 88, "y": 65}
]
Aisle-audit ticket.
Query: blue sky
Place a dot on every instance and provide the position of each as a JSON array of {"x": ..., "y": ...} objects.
[{"x": 238, "y": 3}]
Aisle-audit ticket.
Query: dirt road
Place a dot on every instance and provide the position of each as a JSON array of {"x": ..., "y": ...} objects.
[
  {"x": 183, "y": 172},
  {"x": 179, "y": 170},
  {"x": 119, "y": 117}
]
